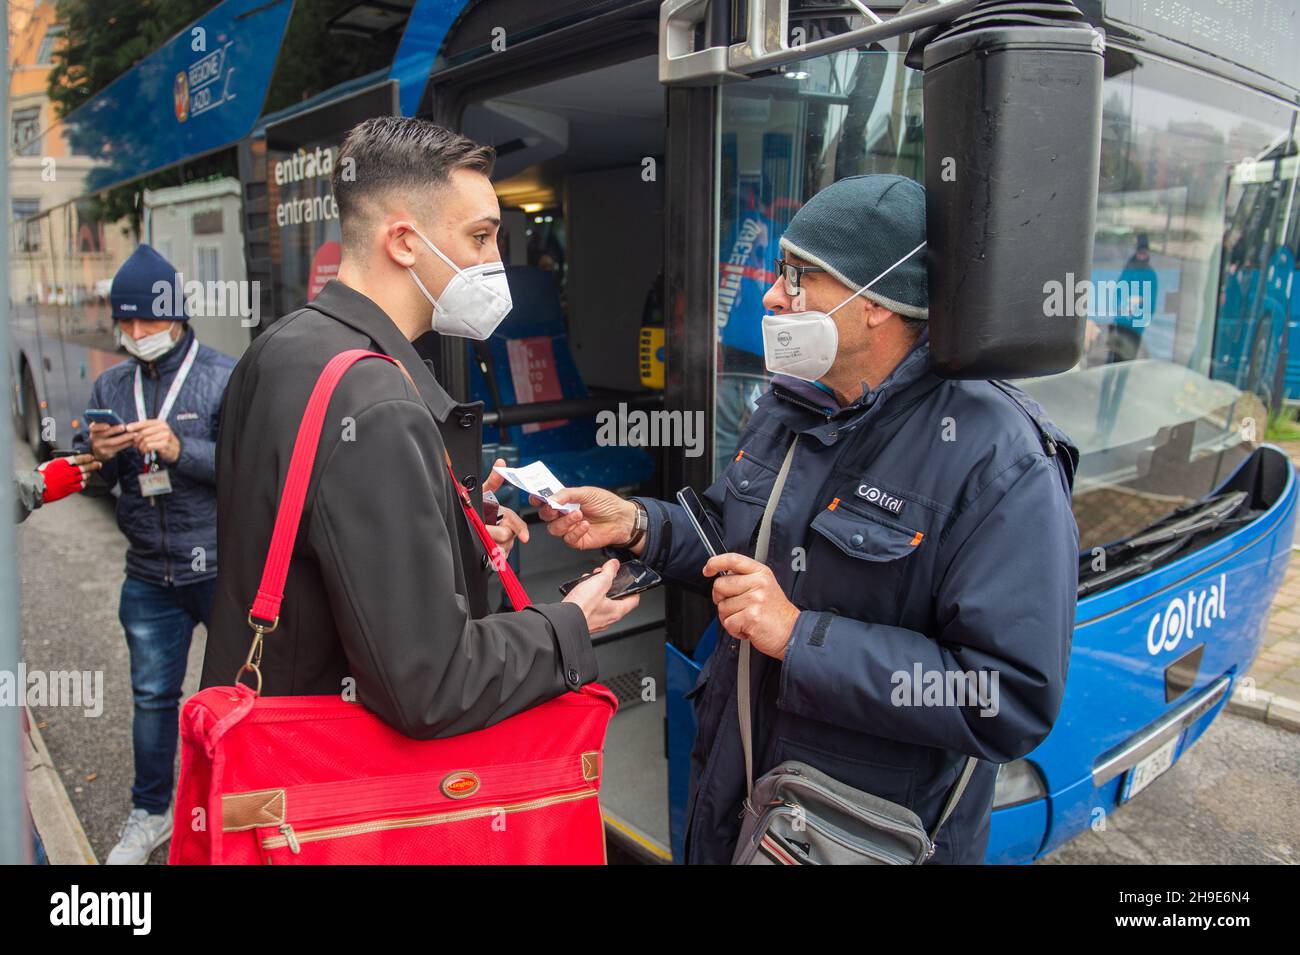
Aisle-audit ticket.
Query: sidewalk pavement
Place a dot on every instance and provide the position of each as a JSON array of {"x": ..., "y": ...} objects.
[{"x": 52, "y": 813}]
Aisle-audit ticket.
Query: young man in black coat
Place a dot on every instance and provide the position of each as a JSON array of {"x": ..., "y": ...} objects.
[{"x": 385, "y": 592}]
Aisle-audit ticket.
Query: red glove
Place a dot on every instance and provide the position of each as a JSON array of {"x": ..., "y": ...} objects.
[{"x": 62, "y": 478}]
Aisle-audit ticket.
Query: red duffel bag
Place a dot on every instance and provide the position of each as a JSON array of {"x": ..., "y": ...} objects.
[{"x": 315, "y": 779}]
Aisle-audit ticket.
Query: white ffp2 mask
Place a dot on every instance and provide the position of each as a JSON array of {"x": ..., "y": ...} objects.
[
  {"x": 475, "y": 301},
  {"x": 803, "y": 344},
  {"x": 150, "y": 347}
]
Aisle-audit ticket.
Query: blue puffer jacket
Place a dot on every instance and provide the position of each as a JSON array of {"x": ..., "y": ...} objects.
[
  {"x": 950, "y": 550},
  {"x": 164, "y": 540}
]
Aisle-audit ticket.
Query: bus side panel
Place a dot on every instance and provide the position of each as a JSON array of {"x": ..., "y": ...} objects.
[
  {"x": 34, "y": 322},
  {"x": 1015, "y": 833},
  {"x": 1217, "y": 599},
  {"x": 682, "y": 672},
  {"x": 1082, "y": 806}
]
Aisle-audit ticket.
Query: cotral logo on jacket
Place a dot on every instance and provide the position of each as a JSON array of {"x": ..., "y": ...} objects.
[{"x": 882, "y": 499}]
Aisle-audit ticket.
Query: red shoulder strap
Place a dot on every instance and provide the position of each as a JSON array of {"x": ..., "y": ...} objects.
[{"x": 289, "y": 513}]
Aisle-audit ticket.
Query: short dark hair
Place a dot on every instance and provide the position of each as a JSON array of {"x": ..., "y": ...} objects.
[
  {"x": 387, "y": 153},
  {"x": 914, "y": 325}
]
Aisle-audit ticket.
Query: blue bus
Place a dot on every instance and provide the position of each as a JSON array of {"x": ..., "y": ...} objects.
[{"x": 650, "y": 155}]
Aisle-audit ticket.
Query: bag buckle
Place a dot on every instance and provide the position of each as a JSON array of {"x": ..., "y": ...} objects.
[{"x": 254, "y": 662}]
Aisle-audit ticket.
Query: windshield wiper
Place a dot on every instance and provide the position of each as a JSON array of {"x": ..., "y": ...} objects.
[
  {"x": 1150, "y": 548},
  {"x": 1205, "y": 516},
  {"x": 1138, "y": 564}
]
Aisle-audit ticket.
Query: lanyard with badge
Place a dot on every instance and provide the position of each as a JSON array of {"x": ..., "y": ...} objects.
[{"x": 155, "y": 479}]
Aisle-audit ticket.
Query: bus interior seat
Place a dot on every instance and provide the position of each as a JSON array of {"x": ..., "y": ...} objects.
[{"x": 569, "y": 449}]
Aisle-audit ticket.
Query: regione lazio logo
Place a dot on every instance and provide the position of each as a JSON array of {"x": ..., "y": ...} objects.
[
  {"x": 1184, "y": 615},
  {"x": 181, "y": 96},
  {"x": 204, "y": 85}
]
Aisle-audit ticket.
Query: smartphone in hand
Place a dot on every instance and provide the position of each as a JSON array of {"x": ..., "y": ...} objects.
[
  {"x": 103, "y": 416},
  {"x": 701, "y": 521},
  {"x": 632, "y": 578}
]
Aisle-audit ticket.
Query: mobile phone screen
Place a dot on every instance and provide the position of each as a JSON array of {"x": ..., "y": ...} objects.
[
  {"x": 103, "y": 416},
  {"x": 632, "y": 578},
  {"x": 701, "y": 521}
]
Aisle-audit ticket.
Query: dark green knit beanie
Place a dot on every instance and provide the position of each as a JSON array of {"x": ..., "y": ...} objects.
[{"x": 860, "y": 226}]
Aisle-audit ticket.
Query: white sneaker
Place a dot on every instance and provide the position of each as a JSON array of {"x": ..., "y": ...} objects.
[{"x": 140, "y": 835}]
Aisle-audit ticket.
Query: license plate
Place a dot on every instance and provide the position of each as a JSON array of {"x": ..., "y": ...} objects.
[{"x": 1149, "y": 768}]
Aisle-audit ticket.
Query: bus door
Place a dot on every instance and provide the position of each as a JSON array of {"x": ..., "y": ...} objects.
[{"x": 582, "y": 174}]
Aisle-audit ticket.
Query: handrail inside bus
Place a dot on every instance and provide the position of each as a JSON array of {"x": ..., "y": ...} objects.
[
  {"x": 536, "y": 411},
  {"x": 766, "y": 45}
]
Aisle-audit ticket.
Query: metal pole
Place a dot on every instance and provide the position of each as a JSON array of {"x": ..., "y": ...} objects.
[{"x": 15, "y": 831}]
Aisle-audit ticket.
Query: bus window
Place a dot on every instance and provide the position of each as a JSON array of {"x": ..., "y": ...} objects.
[
  {"x": 1167, "y": 401},
  {"x": 330, "y": 42},
  {"x": 1162, "y": 406},
  {"x": 783, "y": 138},
  {"x": 1255, "y": 285}
]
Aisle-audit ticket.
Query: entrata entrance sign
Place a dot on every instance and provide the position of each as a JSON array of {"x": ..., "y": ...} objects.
[{"x": 301, "y": 152}]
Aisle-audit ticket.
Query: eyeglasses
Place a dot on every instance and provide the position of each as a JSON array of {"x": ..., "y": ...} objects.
[{"x": 793, "y": 274}]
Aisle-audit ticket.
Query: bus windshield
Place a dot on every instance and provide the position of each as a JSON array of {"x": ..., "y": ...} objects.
[{"x": 1195, "y": 236}]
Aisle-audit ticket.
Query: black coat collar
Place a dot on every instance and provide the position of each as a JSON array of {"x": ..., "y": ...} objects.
[{"x": 350, "y": 307}]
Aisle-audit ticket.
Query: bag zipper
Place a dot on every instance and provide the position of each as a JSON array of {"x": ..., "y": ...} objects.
[
  {"x": 790, "y": 809},
  {"x": 294, "y": 838},
  {"x": 880, "y": 819}
]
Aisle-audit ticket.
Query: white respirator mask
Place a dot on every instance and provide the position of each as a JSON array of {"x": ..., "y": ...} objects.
[
  {"x": 803, "y": 344},
  {"x": 150, "y": 347},
  {"x": 475, "y": 301}
]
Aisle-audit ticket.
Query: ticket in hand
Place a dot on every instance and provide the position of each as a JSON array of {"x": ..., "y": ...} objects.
[{"x": 536, "y": 479}]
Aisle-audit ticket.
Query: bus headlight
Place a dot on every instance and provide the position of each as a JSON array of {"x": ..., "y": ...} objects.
[{"x": 1018, "y": 782}]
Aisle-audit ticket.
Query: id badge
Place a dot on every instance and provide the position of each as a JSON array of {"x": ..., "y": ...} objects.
[{"x": 157, "y": 482}]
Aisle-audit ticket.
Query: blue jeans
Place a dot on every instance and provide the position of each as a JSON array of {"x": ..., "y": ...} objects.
[{"x": 159, "y": 622}]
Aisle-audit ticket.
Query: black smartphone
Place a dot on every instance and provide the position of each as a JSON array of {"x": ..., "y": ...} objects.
[
  {"x": 103, "y": 416},
  {"x": 632, "y": 578},
  {"x": 701, "y": 521}
]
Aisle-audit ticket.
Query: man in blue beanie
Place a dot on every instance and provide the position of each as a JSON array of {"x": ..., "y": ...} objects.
[
  {"x": 902, "y": 557},
  {"x": 162, "y": 458}
]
